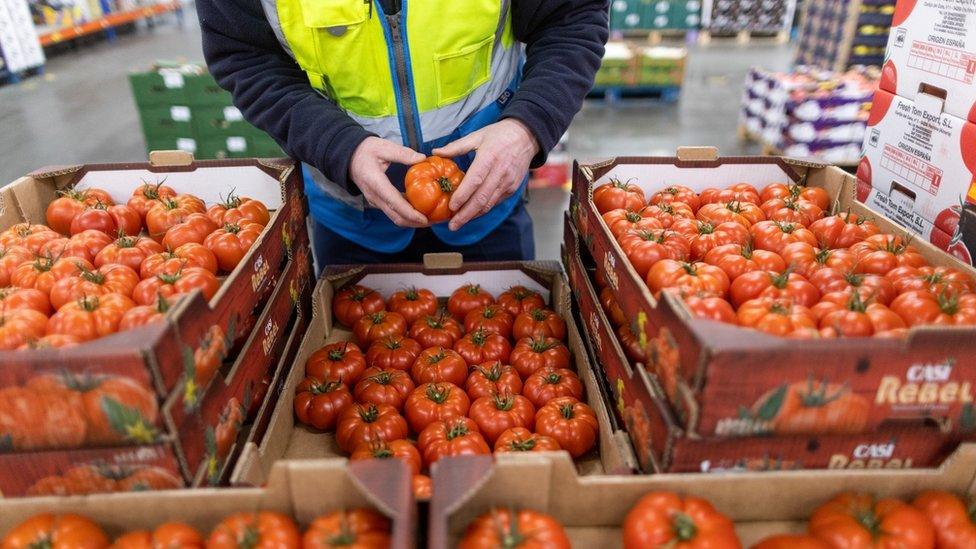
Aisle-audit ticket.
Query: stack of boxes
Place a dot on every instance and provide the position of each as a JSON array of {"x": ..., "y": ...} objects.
[
  {"x": 839, "y": 34},
  {"x": 748, "y": 15},
  {"x": 649, "y": 15},
  {"x": 19, "y": 47},
  {"x": 182, "y": 107},
  {"x": 630, "y": 65},
  {"x": 919, "y": 157},
  {"x": 809, "y": 112}
]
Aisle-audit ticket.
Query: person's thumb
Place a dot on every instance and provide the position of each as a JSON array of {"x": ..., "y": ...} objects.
[
  {"x": 462, "y": 146},
  {"x": 391, "y": 152}
]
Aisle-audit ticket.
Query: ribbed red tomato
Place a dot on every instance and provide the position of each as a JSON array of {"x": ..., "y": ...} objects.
[
  {"x": 738, "y": 192},
  {"x": 231, "y": 242},
  {"x": 395, "y": 352},
  {"x": 776, "y": 235},
  {"x": 539, "y": 323},
  {"x": 492, "y": 378},
  {"x": 147, "y": 195},
  {"x": 10, "y": 258},
  {"x": 881, "y": 253},
  {"x": 32, "y": 237},
  {"x": 490, "y": 318},
  {"x": 860, "y": 520},
  {"x": 112, "y": 278},
  {"x": 779, "y": 317},
  {"x": 736, "y": 260},
  {"x": 352, "y": 302},
  {"x": 438, "y": 330},
  {"x": 379, "y": 386},
  {"x": 413, "y": 303},
  {"x": 806, "y": 259},
  {"x": 746, "y": 214},
  {"x": 519, "y": 299},
  {"x": 375, "y": 326},
  {"x": 569, "y": 421},
  {"x": 187, "y": 255},
  {"x": 171, "y": 283},
  {"x": 792, "y": 210},
  {"x": 235, "y": 209},
  {"x": 616, "y": 195},
  {"x": 715, "y": 308},
  {"x": 703, "y": 236},
  {"x": 17, "y": 327},
  {"x": 921, "y": 307},
  {"x": 363, "y": 423},
  {"x": 141, "y": 315},
  {"x": 620, "y": 222},
  {"x": 432, "y": 402},
  {"x": 843, "y": 230},
  {"x": 319, "y": 403},
  {"x": 532, "y": 353},
  {"x": 195, "y": 228},
  {"x": 454, "y": 436},
  {"x": 645, "y": 248},
  {"x": 519, "y": 439},
  {"x": 437, "y": 364},
  {"x": 13, "y": 299},
  {"x": 549, "y": 383},
  {"x": 130, "y": 251},
  {"x": 676, "y": 193},
  {"x": 871, "y": 287},
  {"x": 852, "y": 316},
  {"x": 501, "y": 527},
  {"x": 466, "y": 299},
  {"x": 343, "y": 361},
  {"x": 687, "y": 278},
  {"x": 934, "y": 279},
  {"x": 666, "y": 519},
  {"x": 497, "y": 413},
  {"x": 667, "y": 214},
  {"x": 786, "y": 285},
  {"x": 43, "y": 272},
  {"x": 170, "y": 211},
  {"x": 481, "y": 346},
  {"x": 402, "y": 449},
  {"x": 90, "y": 317},
  {"x": 815, "y": 195}
]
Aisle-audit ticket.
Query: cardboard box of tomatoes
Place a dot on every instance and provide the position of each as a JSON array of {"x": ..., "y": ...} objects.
[
  {"x": 315, "y": 500},
  {"x": 662, "y": 445},
  {"x": 548, "y": 501},
  {"x": 725, "y": 380},
  {"x": 288, "y": 438}
]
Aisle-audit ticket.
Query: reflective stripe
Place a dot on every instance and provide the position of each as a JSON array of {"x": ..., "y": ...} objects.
[
  {"x": 387, "y": 127},
  {"x": 271, "y": 12}
]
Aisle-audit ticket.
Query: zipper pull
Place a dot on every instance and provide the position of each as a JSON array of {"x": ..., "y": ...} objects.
[{"x": 370, "y": 4}]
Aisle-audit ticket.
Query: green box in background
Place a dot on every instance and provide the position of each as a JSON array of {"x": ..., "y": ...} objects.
[
  {"x": 630, "y": 15},
  {"x": 153, "y": 89},
  {"x": 203, "y": 90},
  {"x": 173, "y": 121},
  {"x": 211, "y": 122},
  {"x": 239, "y": 146}
]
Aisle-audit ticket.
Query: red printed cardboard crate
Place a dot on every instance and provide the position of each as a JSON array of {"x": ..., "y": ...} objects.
[
  {"x": 662, "y": 445},
  {"x": 932, "y": 44},
  {"x": 729, "y": 381},
  {"x": 918, "y": 164},
  {"x": 302, "y": 491}
]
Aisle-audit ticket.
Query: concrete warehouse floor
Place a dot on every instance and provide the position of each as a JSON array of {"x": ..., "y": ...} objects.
[{"x": 81, "y": 110}]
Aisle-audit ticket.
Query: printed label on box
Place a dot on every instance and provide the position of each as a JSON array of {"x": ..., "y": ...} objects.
[
  {"x": 233, "y": 114},
  {"x": 186, "y": 144},
  {"x": 172, "y": 79},
  {"x": 236, "y": 144},
  {"x": 180, "y": 114}
]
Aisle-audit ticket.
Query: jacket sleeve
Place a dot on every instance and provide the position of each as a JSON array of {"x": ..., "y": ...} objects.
[
  {"x": 564, "y": 43},
  {"x": 272, "y": 91}
]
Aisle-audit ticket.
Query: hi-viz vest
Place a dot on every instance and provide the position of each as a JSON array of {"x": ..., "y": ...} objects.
[{"x": 426, "y": 76}]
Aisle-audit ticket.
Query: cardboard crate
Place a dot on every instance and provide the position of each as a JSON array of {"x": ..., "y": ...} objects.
[
  {"x": 303, "y": 491},
  {"x": 442, "y": 273},
  {"x": 662, "y": 445},
  {"x": 718, "y": 376},
  {"x": 592, "y": 509}
]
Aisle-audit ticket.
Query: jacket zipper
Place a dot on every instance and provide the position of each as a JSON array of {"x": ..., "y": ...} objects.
[{"x": 405, "y": 100}]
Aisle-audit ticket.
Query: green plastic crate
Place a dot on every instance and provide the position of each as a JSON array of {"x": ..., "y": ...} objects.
[
  {"x": 166, "y": 122},
  {"x": 239, "y": 146},
  {"x": 202, "y": 90},
  {"x": 218, "y": 122},
  {"x": 154, "y": 89}
]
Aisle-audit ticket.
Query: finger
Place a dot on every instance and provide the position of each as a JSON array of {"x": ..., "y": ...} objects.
[
  {"x": 481, "y": 200},
  {"x": 394, "y": 203},
  {"x": 391, "y": 152},
  {"x": 473, "y": 179},
  {"x": 461, "y": 146}
]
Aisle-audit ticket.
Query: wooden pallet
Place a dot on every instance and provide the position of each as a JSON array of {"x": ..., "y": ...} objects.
[
  {"x": 744, "y": 37},
  {"x": 661, "y": 36},
  {"x": 7, "y": 77}
]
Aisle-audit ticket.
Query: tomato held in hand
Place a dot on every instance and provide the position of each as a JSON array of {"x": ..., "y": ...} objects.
[
  {"x": 676, "y": 193},
  {"x": 232, "y": 242},
  {"x": 539, "y": 323},
  {"x": 343, "y": 361},
  {"x": 922, "y": 307},
  {"x": 402, "y": 449},
  {"x": 438, "y": 364},
  {"x": 497, "y": 413},
  {"x": 455, "y": 436},
  {"x": 688, "y": 278},
  {"x": 523, "y": 529},
  {"x": 429, "y": 186},
  {"x": 236, "y": 209},
  {"x": 361, "y": 423},
  {"x": 645, "y": 248},
  {"x": 481, "y": 346},
  {"x": 775, "y": 316},
  {"x": 664, "y": 519},
  {"x": 56, "y": 532},
  {"x": 187, "y": 255},
  {"x": 176, "y": 282},
  {"x": 393, "y": 352},
  {"x": 147, "y": 195},
  {"x": 130, "y": 251},
  {"x": 859, "y": 520},
  {"x": 319, "y": 403},
  {"x": 438, "y": 330},
  {"x": 379, "y": 386},
  {"x": 255, "y": 529},
  {"x": 952, "y": 519},
  {"x": 621, "y": 222},
  {"x": 376, "y": 326},
  {"x": 519, "y": 439},
  {"x": 168, "y": 535},
  {"x": 531, "y": 354},
  {"x": 352, "y": 302},
  {"x": 519, "y": 299},
  {"x": 569, "y": 421},
  {"x": 413, "y": 303},
  {"x": 617, "y": 195},
  {"x": 90, "y": 317},
  {"x": 435, "y": 402},
  {"x": 490, "y": 318},
  {"x": 356, "y": 528},
  {"x": 466, "y": 299},
  {"x": 492, "y": 378},
  {"x": 195, "y": 228},
  {"x": 110, "y": 279}
]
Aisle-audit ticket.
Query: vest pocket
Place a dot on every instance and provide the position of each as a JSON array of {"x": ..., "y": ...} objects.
[
  {"x": 458, "y": 73},
  {"x": 333, "y": 14}
]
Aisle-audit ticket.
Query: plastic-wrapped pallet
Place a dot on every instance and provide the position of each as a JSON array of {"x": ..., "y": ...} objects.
[
  {"x": 838, "y": 34},
  {"x": 19, "y": 46},
  {"x": 748, "y": 15}
]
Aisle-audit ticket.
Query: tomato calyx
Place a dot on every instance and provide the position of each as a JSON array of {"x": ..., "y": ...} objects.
[
  {"x": 94, "y": 277},
  {"x": 492, "y": 373},
  {"x": 787, "y": 228},
  {"x": 856, "y": 304},
  {"x": 382, "y": 378},
  {"x": 250, "y": 538},
  {"x": 489, "y": 312},
  {"x": 436, "y": 322},
  {"x": 380, "y": 450},
  {"x": 512, "y": 538},
  {"x": 437, "y": 357},
  {"x": 338, "y": 353},
  {"x": 232, "y": 228},
  {"x": 479, "y": 337},
  {"x": 473, "y": 289},
  {"x": 456, "y": 430},
  {"x": 503, "y": 403},
  {"x": 541, "y": 345},
  {"x": 162, "y": 305},
  {"x": 124, "y": 241},
  {"x": 522, "y": 445},
  {"x": 437, "y": 393},
  {"x": 359, "y": 294},
  {"x": 650, "y": 235},
  {"x": 88, "y": 303},
  {"x": 948, "y": 302},
  {"x": 568, "y": 411},
  {"x": 705, "y": 227},
  {"x": 683, "y": 527},
  {"x": 445, "y": 185},
  {"x": 734, "y": 206},
  {"x": 322, "y": 387},
  {"x": 377, "y": 318},
  {"x": 151, "y": 191},
  {"x": 779, "y": 281},
  {"x": 345, "y": 536},
  {"x": 539, "y": 315},
  {"x": 552, "y": 378},
  {"x": 232, "y": 200},
  {"x": 369, "y": 413},
  {"x": 617, "y": 183},
  {"x": 411, "y": 294}
]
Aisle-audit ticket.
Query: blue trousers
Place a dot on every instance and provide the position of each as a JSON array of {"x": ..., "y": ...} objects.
[{"x": 512, "y": 240}]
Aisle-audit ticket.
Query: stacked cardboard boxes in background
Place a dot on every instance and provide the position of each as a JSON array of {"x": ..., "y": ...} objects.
[
  {"x": 627, "y": 64},
  {"x": 19, "y": 47},
  {"x": 839, "y": 34},
  {"x": 809, "y": 112},
  {"x": 721, "y": 16},
  {"x": 182, "y": 107},
  {"x": 649, "y": 15},
  {"x": 919, "y": 157}
]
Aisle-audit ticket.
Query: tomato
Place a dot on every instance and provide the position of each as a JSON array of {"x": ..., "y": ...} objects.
[
  {"x": 519, "y": 299},
  {"x": 791, "y": 541},
  {"x": 236, "y": 209},
  {"x": 737, "y": 260},
  {"x": 147, "y": 195},
  {"x": 10, "y": 258},
  {"x": 466, "y": 299},
  {"x": 232, "y": 242},
  {"x": 920, "y": 307},
  {"x": 739, "y": 192},
  {"x": 687, "y": 277},
  {"x": 492, "y": 378},
  {"x": 859, "y": 520},
  {"x": 853, "y": 316},
  {"x": 435, "y": 402},
  {"x": 667, "y": 214},
  {"x": 520, "y": 439},
  {"x": 481, "y": 346},
  {"x": 47, "y": 530},
  {"x": 352, "y": 302},
  {"x": 490, "y": 318},
  {"x": 776, "y": 235},
  {"x": 187, "y": 255},
  {"x": 172, "y": 282},
  {"x": 785, "y": 285},
  {"x": 792, "y": 211},
  {"x": 743, "y": 213},
  {"x": 631, "y": 345},
  {"x": 666, "y": 519},
  {"x": 169, "y": 212},
  {"x": 815, "y": 195},
  {"x": 531, "y": 354},
  {"x": 97, "y": 219},
  {"x": 343, "y": 361},
  {"x": 55, "y": 341},
  {"x": 255, "y": 530},
  {"x": 375, "y": 326},
  {"x": 318, "y": 403},
  {"x": 86, "y": 245},
  {"x": 806, "y": 260},
  {"x": 43, "y": 272},
  {"x": 610, "y": 306},
  {"x": 812, "y": 408},
  {"x": 110, "y": 279},
  {"x": 676, "y": 193},
  {"x": 547, "y": 384},
  {"x": 356, "y": 528},
  {"x": 17, "y": 327},
  {"x": 379, "y": 386},
  {"x": 934, "y": 279},
  {"x": 130, "y": 251},
  {"x": 617, "y": 195},
  {"x": 413, "y": 303},
  {"x": 539, "y": 323},
  {"x": 13, "y": 299},
  {"x": 29, "y": 236},
  {"x": 141, "y": 315},
  {"x": 128, "y": 222},
  {"x": 871, "y": 287},
  {"x": 361, "y": 423},
  {"x": 497, "y": 413},
  {"x": 454, "y": 436},
  {"x": 952, "y": 519},
  {"x": 169, "y": 535},
  {"x": 569, "y": 421},
  {"x": 775, "y": 316},
  {"x": 645, "y": 248},
  {"x": 422, "y": 488},
  {"x": 703, "y": 236},
  {"x": 879, "y": 254},
  {"x": 401, "y": 449},
  {"x": 842, "y": 230},
  {"x": 195, "y": 228},
  {"x": 437, "y": 330},
  {"x": 508, "y": 528},
  {"x": 394, "y": 352},
  {"x": 429, "y": 186},
  {"x": 90, "y": 317},
  {"x": 621, "y": 222},
  {"x": 438, "y": 364},
  {"x": 63, "y": 209}
]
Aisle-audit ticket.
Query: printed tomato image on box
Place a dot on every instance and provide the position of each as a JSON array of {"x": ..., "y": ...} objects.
[
  {"x": 919, "y": 163},
  {"x": 933, "y": 43}
]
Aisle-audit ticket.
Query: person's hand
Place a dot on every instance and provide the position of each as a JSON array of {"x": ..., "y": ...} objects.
[
  {"x": 504, "y": 152},
  {"x": 367, "y": 169}
]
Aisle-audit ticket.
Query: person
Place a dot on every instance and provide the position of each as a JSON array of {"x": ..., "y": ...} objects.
[{"x": 359, "y": 90}]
